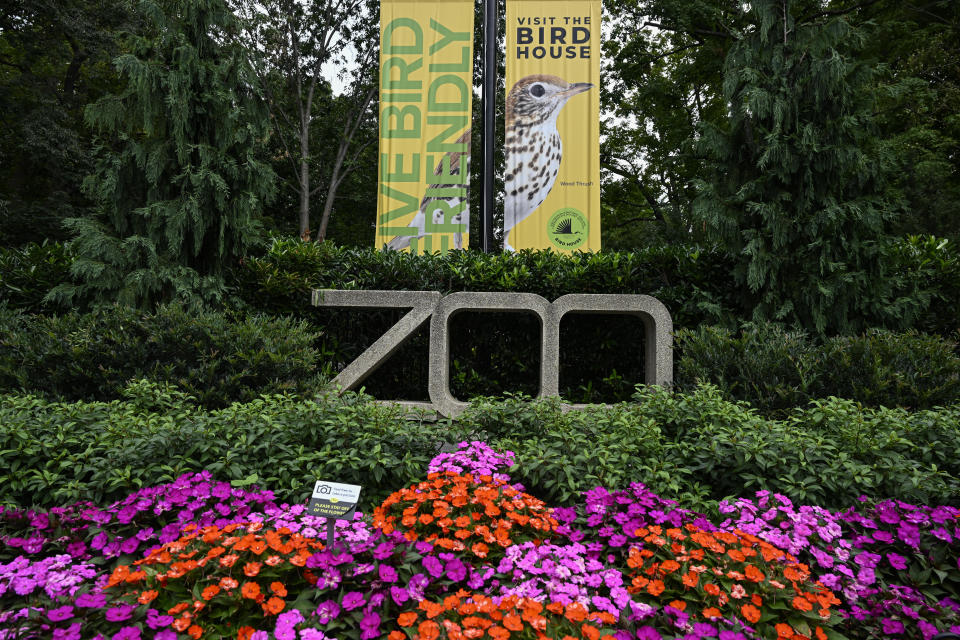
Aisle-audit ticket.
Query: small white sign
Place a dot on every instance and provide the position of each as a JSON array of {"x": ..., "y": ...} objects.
[{"x": 336, "y": 492}]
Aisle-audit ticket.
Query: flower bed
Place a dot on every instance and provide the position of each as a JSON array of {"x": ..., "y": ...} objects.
[{"x": 467, "y": 554}]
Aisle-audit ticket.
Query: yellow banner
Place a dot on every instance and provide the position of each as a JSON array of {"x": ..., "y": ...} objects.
[
  {"x": 552, "y": 143},
  {"x": 426, "y": 97}
]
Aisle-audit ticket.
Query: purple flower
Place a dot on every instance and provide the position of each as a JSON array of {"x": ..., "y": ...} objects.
[
  {"x": 648, "y": 633},
  {"x": 156, "y": 621},
  {"x": 897, "y": 561},
  {"x": 59, "y": 614},
  {"x": 327, "y": 611},
  {"x": 433, "y": 566},
  {"x": 120, "y": 612},
  {"x": 166, "y": 634},
  {"x": 370, "y": 626},
  {"x": 127, "y": 633},
  {"x": 892, "y": 626},
  {"x": 399, "y": 595},
  {"x": 91, "y": 600},
  {"x": 387, "y": 573},
  {"x": 456, "y": 570},
  {"x": 353, "y": 600},
  {"x": 70, "y": 633}
]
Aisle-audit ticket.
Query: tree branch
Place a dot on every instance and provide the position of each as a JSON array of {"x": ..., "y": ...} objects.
[{"x": 701, "y": 32}]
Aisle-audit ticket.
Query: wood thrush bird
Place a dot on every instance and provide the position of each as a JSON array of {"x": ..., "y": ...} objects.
[
  {"x": 449, "y": 165},
  {"x": 533, "y": 148}
]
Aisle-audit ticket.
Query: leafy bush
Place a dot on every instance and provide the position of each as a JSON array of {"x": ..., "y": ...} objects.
[
  {"x": 28, "y": 273},
  {"x": 697, "y": 447},
  {"x": 213, "y": 357},
  {"x": 775, "y": 369},
  {"x": 54, "y": 452}
]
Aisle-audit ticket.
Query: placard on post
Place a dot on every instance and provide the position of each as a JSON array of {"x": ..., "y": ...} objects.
[{"x": 333, "y": 501}]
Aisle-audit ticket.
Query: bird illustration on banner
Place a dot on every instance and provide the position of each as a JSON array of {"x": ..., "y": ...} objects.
[
  {"x": 533, "y": 148},
  {"x": 437, "y": 207}
]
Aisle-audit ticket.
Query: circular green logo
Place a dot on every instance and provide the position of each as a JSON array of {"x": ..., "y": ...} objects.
[{"x": 567, "y": 228}]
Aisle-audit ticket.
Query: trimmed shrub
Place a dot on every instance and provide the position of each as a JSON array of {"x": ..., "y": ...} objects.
[
  {"x": 696, "y": 447},
  {"x": 214, "y": 357},
  {"x": 775, "y": 369}
]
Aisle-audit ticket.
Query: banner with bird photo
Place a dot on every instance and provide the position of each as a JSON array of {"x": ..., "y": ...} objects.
[
  {"x": 426, "y": 97},
  {"x": 552, "y": 130}
]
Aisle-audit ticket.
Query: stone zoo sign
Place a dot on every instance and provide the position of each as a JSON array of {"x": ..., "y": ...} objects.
[{"x": 440, "y": 310}]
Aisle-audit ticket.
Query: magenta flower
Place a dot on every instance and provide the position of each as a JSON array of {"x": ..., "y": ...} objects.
[
  {"x": 120, "y": 612},
  {"x": 60, "y": 613}
]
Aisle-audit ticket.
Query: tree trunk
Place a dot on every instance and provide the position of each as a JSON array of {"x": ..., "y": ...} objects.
[
  {"x": 335, "y": 179},
  {"x": 304, "y": 183}
]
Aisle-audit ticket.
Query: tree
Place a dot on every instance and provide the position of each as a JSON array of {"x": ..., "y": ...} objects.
[
  {"x": 54, "y": 60},
  {"x": 178, "y": 181},
  {"x": 297, "y": 45},
  {"x": 797, "y": 186}
]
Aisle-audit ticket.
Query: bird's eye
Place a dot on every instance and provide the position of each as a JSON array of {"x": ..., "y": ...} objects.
[{"x": 537, "y": 91}]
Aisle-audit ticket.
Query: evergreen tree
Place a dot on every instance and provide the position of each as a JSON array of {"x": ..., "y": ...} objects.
[
  {"x": 796, "y": 184},
  {"x": 178, "y": 182}
]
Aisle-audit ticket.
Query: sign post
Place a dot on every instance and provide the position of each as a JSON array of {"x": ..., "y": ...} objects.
[{"x": 333, "y": 501}]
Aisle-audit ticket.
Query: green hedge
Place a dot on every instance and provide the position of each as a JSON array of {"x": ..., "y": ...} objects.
[
  {"x": 697, "y": 446},
  {"x": 776, "y": 369},
  {"x": 214, "y": 357}
]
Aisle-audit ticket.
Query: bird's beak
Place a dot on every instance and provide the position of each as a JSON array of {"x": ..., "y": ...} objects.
[{"x": 576, "y": 87}]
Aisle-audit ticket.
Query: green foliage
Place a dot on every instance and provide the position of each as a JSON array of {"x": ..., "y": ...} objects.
[
  {"x": 54, "y": 59},
  {"x": 699, "y": 447},
  {"x": 797, "y": 185},
  {"x": 212, "y": 357},
  {"x": 178, "y": 180},
  {"x": 27, "y": 274},
  {"x": 775, "y": 370},
  {"x": 56, "y": 453}
]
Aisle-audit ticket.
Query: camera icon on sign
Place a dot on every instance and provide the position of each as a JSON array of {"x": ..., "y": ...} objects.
[{"x": 324, "y": 488}]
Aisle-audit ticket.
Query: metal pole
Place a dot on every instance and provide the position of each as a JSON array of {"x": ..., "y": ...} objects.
[{"x": 489, "y": 117}]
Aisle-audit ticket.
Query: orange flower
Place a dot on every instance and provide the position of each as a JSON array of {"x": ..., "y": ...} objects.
[
  {"x": 228, "y": 583},
  {"x": 690, "y": 579},
  {"x": 250, "y": 590},
  {"x": 195, "y": 632},
  {"x": 555, "y": 607},
  {"x": 678, "y": 604},
  {"x": 670, "y": 566},
  {"x": 480, "y": 549},
  {"x": 273, "y": 561},
  {"x": 407, "y": 618},
  {"x": 589, "y": 632},
  {"x": 801, "y": 604},
  {"x": 178, "y": 608},
  {"x": 244, "y": 633},
  {"x": 278, "y": 588},
  {"x": 396, "y": 635},
  {"x": 711, "y": 612},
  {"x": 820, "y": 634},
  {"x": 251, "y": 569},
  {"x": 210, "y": 592},
  {"x": 429, "y": 630},
  {"x": 498, "y": 633},
  {"x": 273, "y": 606},
  {"x": 147, "y": 597},
  {"x": 753, "y": 574},
  {"x": 228, "y": 560},
  {"x": 756, "y": 600},
  {"x": 712, "y": 589},
  {"x": 181, "y": 624},
  {"x": 576, "y": 612},
  {"x": 513, "y": 622},
  {"x": 656, "y": 587},
  {"x": 750, "y": 612},
  {"x": 784, "y": 630}
]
